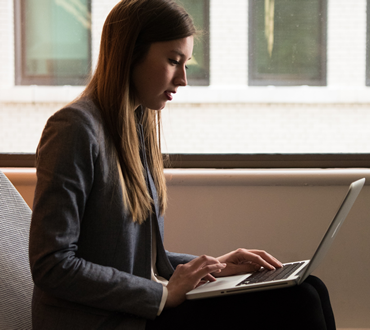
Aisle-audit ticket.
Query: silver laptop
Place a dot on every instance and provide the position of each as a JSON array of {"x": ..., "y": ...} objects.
[{"x": 293, "y": 273}]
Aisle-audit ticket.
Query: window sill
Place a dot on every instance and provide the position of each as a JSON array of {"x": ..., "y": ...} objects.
[
  {"x": 207, "y": 94},
  {"x": 264, "y": 177},
  {"x": 232, "y": 177}
]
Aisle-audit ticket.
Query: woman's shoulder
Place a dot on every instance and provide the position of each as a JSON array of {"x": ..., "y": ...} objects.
[
  {"x": 82, "y": 112},
  {"x": 77, "y": 125}
]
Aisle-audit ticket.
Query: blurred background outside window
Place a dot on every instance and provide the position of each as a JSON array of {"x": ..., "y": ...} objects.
[
  {"x": 52, "y": 48},
  {"x": 287, "y": 42}
]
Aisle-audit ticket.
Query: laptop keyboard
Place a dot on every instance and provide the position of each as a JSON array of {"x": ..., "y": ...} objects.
[{"x": 272, "y": 275}]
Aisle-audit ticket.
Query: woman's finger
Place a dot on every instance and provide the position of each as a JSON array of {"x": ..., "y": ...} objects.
[
  {"x": 259, "y": 257},
  {"x": 203, "y": 261},
  {"x": 243, "y": 260},
  {"x": 266, "y": 257},
  {"x": 188, "y": 276}
]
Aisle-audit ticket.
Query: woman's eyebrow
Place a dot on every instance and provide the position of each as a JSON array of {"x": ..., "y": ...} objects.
[{"x": 180, "y": 54}]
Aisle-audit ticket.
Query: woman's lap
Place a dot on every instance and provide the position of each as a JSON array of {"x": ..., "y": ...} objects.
[{"x": 306, "y": 306}]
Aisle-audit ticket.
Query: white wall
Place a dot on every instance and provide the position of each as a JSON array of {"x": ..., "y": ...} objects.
[
  {"x": 7, "y": 44},
  {"x": 346, "y": 43},
  {"x": 284, "y": 212},
  {"x": 99, "y": 12},
  {"x": 229, "y": 42}
]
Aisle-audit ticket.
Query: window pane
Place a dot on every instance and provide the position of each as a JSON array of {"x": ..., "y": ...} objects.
[
  {"x": 287, "y": 42},
  {"x": 198, "y": 72},
  {"x": 56, "y": 43}
]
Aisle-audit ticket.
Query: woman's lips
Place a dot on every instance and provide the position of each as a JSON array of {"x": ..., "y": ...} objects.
[{"x": 169, "y": 95}]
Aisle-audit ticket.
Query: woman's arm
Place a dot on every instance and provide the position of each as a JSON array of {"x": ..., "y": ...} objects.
[{"x": 66, "y": 157}]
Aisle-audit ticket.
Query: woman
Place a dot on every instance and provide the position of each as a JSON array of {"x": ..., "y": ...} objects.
[{"x": 96, "y": 240}]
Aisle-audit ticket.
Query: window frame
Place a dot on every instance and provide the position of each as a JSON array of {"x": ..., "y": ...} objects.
[
  {"x": 254, "y": 80},
  {"x": 20, "y": 56},
  {"x": 228, "y": 161},
  {"x": 205, "y": 35}
]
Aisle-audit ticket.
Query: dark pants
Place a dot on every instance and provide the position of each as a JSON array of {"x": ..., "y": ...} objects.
[{"x": 306, "y": 306}]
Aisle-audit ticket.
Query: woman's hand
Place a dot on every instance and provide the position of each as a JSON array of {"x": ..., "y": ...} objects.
[
  {"x": 188, "y": 276},
  {"x": 243, "y": 261}
]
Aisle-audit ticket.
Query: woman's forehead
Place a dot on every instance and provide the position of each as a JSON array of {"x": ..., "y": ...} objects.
[{"x": 181, "y": 47}]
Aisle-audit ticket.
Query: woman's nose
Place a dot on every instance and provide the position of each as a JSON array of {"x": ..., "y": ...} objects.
[{"x": 181, "y": 79}]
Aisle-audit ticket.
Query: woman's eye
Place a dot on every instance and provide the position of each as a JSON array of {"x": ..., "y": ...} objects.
[{"x": 174, "y": 62}]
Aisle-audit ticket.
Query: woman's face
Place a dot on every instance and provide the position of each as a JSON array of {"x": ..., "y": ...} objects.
[{"x": 162, "y": 71}]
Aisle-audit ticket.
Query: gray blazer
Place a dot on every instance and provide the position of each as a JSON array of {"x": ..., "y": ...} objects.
[{"x": 90, "y": 263}]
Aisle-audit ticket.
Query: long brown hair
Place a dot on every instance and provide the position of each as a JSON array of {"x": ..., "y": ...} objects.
[{"x": 129, "y": 30}]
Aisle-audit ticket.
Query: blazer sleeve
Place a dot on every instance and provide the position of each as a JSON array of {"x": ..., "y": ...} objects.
[
  {"x": 179, "y": 258},
  {"x": 66, "y": 156}
]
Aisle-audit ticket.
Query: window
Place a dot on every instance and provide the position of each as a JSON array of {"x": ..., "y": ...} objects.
[
  {"x": 287, "y": 42},
  {"x": 232, "y": 115},
  {"x": 198, "y": 72},
  {"x": 52, "y": 48}
]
